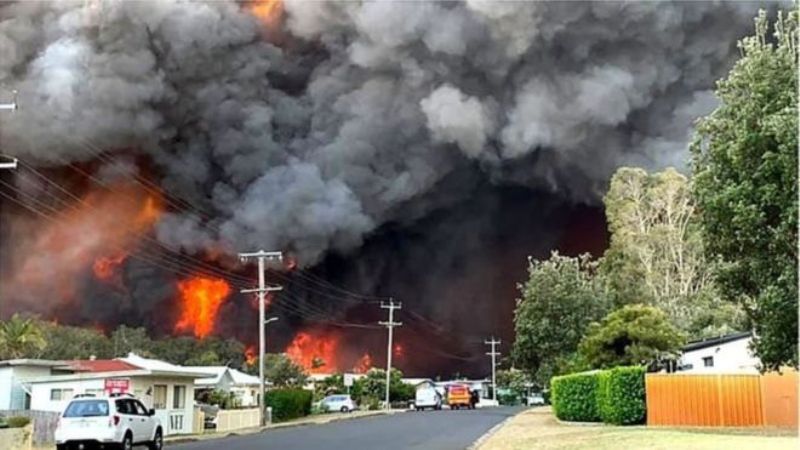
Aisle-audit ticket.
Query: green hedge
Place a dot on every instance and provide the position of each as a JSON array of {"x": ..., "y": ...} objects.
[
  {"x": 288, "y": 404},
  {"x": 622, "y": 401},
  {"x": 574, "y": 397},
  {"x": 615, "y": 396}
]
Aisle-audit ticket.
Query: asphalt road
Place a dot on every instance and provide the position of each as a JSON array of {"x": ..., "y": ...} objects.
[{"x": 429, "y": 430}]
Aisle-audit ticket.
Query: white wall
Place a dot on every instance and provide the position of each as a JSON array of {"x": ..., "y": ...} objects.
[
  {"x": 12, "y": 393},
  {"x": 174, "y": 420},
  {"x": 734, "y": 357},
  {"x": 40, "y": 393},
  {"x": 6, "y": 374}
]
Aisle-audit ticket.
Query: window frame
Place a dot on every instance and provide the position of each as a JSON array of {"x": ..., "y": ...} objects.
[
  {"x": 156, "y": 405},
  {"x": 708, "y": 361},
  {"x": 179, "y": 402}
]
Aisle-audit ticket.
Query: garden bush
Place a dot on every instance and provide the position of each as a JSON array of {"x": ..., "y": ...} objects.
[
  {"x": 615, "y": 396},
  {"x": 574, "y": 397},
  {"x": 621, "y": 396},
  {"x": 288, "y": 404}
]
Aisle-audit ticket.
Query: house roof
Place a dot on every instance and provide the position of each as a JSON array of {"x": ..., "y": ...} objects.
[
  {"x": 712, "y": 342},
  {"x": 31, "y": 362},
  {"x": 100, "y": 365},
  {"x": 158, "y": 367},
  {"x": 238, "y": 377}
]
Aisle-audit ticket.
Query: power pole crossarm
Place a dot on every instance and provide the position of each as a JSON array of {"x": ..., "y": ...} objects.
[
  {"x": 261, "y": 292},
  {"x": 12, "y": 164},
  {"x": 494, "y": 354},
  {"x": 390, "y": 324}
]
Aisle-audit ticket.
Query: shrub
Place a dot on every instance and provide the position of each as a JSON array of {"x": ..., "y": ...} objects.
[
  {"x": 288, "y": 404},
  {"x": 17, "y": 421},
  {"x": 574, "y": 397},
  {"x": 370, "y": 403},
  {"x": 621, "y": 396}
]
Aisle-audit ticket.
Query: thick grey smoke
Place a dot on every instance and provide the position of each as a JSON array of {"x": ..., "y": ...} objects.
[{"x": 345, "y": 116}]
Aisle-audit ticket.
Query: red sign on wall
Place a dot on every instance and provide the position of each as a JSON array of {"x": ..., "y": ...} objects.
[{"x": 117, "y": 385}]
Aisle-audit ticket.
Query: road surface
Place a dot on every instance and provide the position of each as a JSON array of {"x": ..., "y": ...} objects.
[{"x": 429, "y": 430}]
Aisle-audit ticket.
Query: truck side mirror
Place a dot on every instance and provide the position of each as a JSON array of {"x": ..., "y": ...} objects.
[{"x": 151, "y": 412}]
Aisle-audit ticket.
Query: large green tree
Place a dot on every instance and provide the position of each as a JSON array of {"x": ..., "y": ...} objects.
[
  {"x": 745, "y": 182},
  {"x": 281, "y": 371},
  {"x": 558, "y": 301},
  {"x": 656, "y": 254},
  {"x": 631, "y": 335}
]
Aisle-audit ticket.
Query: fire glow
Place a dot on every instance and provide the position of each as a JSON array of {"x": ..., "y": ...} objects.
[
  {"x": 94, "y": 234},
  {"x": 363, "y": 364},
  {"x": 200, "y": 300},
  {"x": 315, "y": 353},
  {"x": 268, "y": 11}
]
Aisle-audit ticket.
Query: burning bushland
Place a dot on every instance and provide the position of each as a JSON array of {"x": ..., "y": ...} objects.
[{"x": 414, "y": 149}]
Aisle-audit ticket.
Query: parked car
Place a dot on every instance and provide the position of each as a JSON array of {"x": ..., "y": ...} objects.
[
  {"x": 427, "y": 397},
  {"x": 535, "y": 400},
  {"x": 341, "y": 403},
  {"x": 119, "y": 421}
]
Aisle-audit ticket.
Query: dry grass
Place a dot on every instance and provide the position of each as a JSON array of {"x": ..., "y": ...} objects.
[{"x": 538, "y": 429}]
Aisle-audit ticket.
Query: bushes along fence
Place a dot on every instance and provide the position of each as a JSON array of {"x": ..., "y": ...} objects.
[{"x": 615, "y": 396}]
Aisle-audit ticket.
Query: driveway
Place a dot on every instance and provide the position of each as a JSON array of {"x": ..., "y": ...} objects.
[{"x": 429, "y": 430}]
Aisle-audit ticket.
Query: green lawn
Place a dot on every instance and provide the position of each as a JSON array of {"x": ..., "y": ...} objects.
[{"x": 538, "y": 429}]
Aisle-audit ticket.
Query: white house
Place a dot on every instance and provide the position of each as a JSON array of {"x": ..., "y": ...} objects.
[
  {"x": 165, "y": 387},
  {"x": 243, "y": 386},
  {"x": 724, "y": 354},
  {"x": 13, "y": 373}
]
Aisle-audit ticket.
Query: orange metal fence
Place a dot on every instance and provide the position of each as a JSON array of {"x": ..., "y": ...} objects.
[{"x": 722, "y": 400}]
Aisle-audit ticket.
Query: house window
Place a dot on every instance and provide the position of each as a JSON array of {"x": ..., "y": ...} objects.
[
  {"x": 179, "y": 397},
  {"x": 708, "y": 361},
  {"x": 160, "y": 396},
  {"x": 60, "y": 394}
]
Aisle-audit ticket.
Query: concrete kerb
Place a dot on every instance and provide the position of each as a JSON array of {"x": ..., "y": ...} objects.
[
  {"x": 306, "y": 421},
  {"x": 491, "y": 432}
]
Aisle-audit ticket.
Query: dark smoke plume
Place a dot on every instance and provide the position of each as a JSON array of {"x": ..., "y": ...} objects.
[{"x": 342, "y": 122}]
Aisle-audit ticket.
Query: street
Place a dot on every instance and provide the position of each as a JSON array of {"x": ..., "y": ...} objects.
[{"x": 429, "y": 430}]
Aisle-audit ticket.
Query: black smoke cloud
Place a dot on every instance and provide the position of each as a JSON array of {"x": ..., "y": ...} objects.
[{"x": 363, "y": 117}]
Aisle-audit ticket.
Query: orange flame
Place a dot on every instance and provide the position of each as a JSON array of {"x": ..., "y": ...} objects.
[
  {"x": 315, "y": 354},
  {"x": 270, "y": 12},
  {"x": 200, "y": 299},
  {"x": 95, "y": 233},
  {"x": 250, "y": 355},
  {"x": 363, "y": 364}
]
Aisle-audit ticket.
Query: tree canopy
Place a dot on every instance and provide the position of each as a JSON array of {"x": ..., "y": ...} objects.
[
  {"x": 656, "y": 254},
  {"x": 558, "y": 301},
  {"x": 631, "y": 335},
  {"x": 745, "y": 182}
]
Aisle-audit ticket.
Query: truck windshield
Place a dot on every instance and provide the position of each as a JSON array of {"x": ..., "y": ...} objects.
[{"x": 87, "y": 408}]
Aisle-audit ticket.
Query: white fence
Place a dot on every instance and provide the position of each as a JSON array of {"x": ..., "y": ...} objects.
[{"x": 236, "y": 419}]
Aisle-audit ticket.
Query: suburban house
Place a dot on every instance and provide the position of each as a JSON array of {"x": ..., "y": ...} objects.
[
  {"x": 165, "y": 387},
  {"x": 14, "y": 373},
  {"x": 724, "y": 354},
  {"x": 243, "y": 386}
]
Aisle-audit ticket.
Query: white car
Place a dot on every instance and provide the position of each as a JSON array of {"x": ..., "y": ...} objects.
[
  {"x": 535, "y": 400},
  {"x": 427, "y": 397},
  {"x": 115, "y": 422},
  {"x": 341, "y": 403}
]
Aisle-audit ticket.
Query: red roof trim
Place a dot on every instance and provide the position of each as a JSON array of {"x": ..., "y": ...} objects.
[{"x": 100, "y": 365}]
